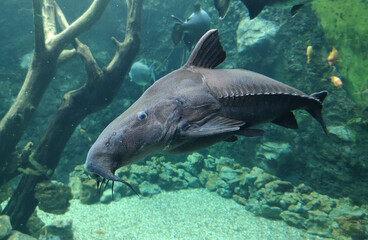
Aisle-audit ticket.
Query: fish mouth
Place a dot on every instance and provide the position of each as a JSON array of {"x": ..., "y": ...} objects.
[{"x": 103, "y": 175}]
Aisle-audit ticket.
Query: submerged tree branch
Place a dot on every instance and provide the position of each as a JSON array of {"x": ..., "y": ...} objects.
[
  {"x": 98, "y": 91},
  {"x": 40, "y": 73}
]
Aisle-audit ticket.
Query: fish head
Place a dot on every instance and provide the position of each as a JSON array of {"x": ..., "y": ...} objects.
[{"x": 141, "y": 130}]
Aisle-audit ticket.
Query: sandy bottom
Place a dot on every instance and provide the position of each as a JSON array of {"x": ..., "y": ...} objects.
[{"x": 185, "y": 214}]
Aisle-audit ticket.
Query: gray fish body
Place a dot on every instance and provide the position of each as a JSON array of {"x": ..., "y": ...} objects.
[
  {"x": 195, "y": 107},
  {"x": 192, "y": 29}
]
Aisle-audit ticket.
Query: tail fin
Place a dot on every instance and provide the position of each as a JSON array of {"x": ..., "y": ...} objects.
[
  {"x": 316, "y": 111},
  {"x": 152, "y": 68},
  {"x": 177, "y": 33}
]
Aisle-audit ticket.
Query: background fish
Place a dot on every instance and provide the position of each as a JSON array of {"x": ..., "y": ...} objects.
[
  {"x": 142, "y": 74},
  {"x": 222, "y": 7},
  {"x": 255, "y": 7},
  {"x": 192, "y": 29}
]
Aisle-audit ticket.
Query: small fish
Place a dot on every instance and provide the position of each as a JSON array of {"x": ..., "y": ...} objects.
[
  {"x": 333, "y": 57},
  {"x": 255, "y": 7},
  {"x": 336, "y": 81},
  {"x": 89, "y": 139},
  {"x": 309, "y": 53},
  {"x": 82, "y": 131},
  {"x": 192, "y": 29},
  {"x": 142, "y": 74}
]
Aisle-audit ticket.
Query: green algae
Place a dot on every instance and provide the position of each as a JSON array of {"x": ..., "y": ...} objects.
[{"x": 345, "y": 26}]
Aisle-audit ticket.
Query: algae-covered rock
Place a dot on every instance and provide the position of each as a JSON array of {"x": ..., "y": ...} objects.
[
  {"x": 149, "y": 189},
  {"x": 53, "y": 197},
  {"x": 89, "y": 193},
  {"x": 61, "y": 229},
  {"x": 5, "y": 226},
  {"x": 20, "y": 236},
  {"x": 193, "y": 182},
  {"x": 293, "y": 219},
  {"x": 343, "y": 133},
  {"x": 34, "y": 225},
  {"x": 196, "y": 163},
  {"x": 318, "y": 223},
  {"x": 253, "y": 32}
]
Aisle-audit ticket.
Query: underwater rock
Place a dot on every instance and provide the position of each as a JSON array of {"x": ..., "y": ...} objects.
[
  {"x": 210, "y": 163},
  {"x": 196, "y": 163},
  {"x": 193, "y": 182},
  {"x": 203, "y": 177},
  {"x": 228, "y": 174},
  {"x": 5, "y": 226},
  {"x": 293, "y": 219},
  {"x": 149, "y": 189},
  {"x": 268, "y": 212},
  {"x": 178, "y": 183},
  {"x": 76, "y": 177},
  {"x": 20, "y": 236},
  {"x": 343, "y": 133},
  {"x": 61, "y": 229},
  {"x": 224, "y": 161},
  {"x": 318, "y": 223},
  {"x": 34, "y": 225},
  {"x": 351, "y": 226},
  {"x": 144, "y": 172},
  {"x": 53, "y": 196},
  {"x": 89, "y": 194},
  {"x": 253, "y": 32}
]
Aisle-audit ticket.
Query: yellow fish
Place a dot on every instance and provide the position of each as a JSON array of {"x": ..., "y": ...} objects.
[
  {"x": 82, "y": 131},
  {"x": 333, "y": 57},
  {"x": 309, "y": 53},
  {"x": 90, "y": 139},
  {"x": 336, "y": 81}
]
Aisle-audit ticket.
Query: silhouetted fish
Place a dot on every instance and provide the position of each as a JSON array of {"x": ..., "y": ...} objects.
[
  {"x": 192, "y": 29},
  {"x": 255, "y": 7},
  {"x": 197, "y": 106},
  {"x": 142, "y": 74}
]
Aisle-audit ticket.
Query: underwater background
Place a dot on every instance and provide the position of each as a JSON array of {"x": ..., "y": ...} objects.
[{"x": 303, "y": 180}]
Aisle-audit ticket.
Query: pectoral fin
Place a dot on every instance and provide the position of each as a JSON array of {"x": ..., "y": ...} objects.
[{"x": 217, "y": 125}]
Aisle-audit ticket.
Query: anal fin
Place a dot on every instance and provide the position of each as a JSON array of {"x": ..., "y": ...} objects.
[{"x": 287, "y": 120}]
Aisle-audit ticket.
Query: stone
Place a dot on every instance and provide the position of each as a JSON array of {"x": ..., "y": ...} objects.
[
  {"x": 193, "y": 182},
  {"x": 5, "y": 226},
  {"x": 61, "y": 229},
  {"x": 280, "y": 186},
  {"x": 21, "y": 236},
  {"x": 211, "y": 182},
  {"x": 178, "y": 183},
  {"x": 89, "y": 193},
  {"x": 225, "y": 161},
  {"x": 254, "y": 32},
  {"x": 210, "y": 163},
  {"x": 34, "y": 225},
  {"x": 203, "y": 177},
  {"x": 293, "y": 219},
  {"x": 344, "y": 133},
  {"x": 149, "y": 189},
  {"x": 273, "y": 150},
  {"x": 351, "y": 226},
  {"x": 53, "y": 197},
  {"x": 227, "y": 173},
  {"x": 263, "y": 179},
  {"x": 269, "y": 212},
  {"x": 196, "y": 163},
  {"x": 318, "y": 223}
]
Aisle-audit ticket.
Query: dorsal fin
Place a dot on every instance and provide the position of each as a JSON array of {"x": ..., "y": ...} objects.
[{"x": 208, "y": 53}]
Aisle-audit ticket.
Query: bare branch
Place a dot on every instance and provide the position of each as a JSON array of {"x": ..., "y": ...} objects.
[
  {"x": 65, "y": 56},
  {"x": 90, "y": 63},
  {"x": 82, "y": 24},
  {"x": 133, "y": 28},
  {"x": 38, "y": 26},
  {"x": 49, "y": 19}
]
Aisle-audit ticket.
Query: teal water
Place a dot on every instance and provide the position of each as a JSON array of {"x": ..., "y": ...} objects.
[{"x": 302, "y": 181}]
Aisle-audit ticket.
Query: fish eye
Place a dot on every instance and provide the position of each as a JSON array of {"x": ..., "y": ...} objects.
[{"x": 142, "y": 115}]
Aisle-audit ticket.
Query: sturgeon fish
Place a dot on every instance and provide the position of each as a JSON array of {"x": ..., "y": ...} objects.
[{"x": 197, "y": 106}]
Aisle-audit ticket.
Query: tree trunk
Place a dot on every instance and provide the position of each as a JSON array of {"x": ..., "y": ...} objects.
[{"x": 97, "y": 93}]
